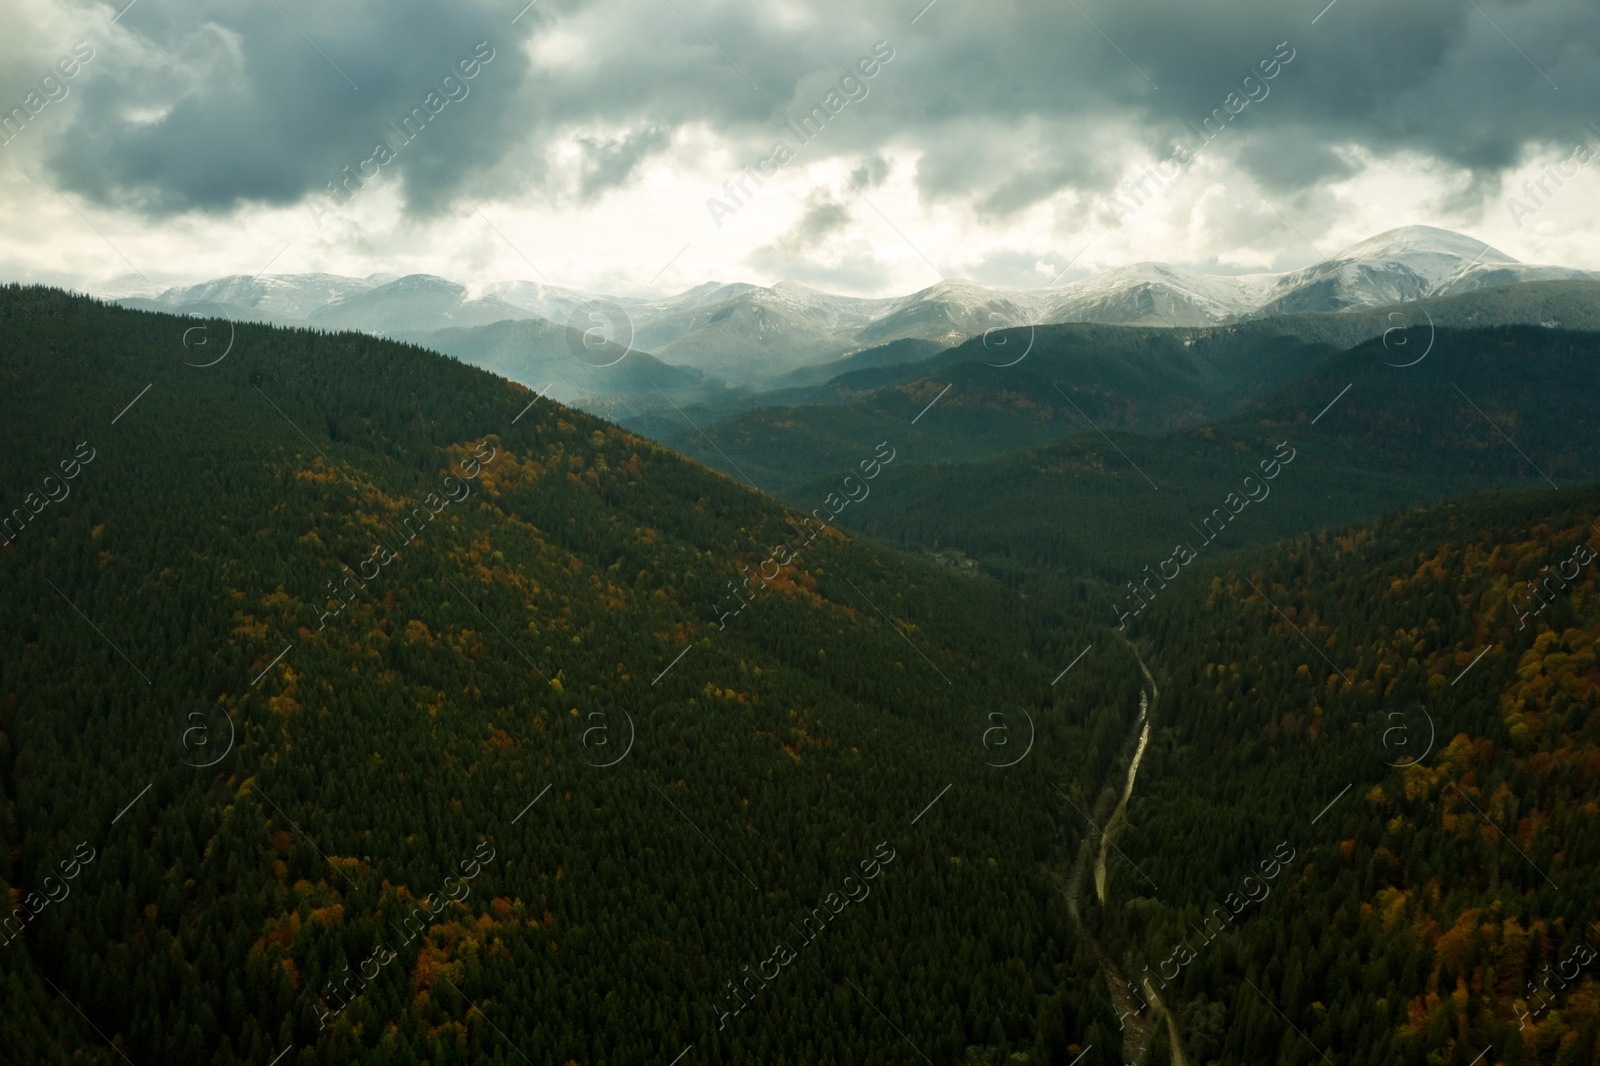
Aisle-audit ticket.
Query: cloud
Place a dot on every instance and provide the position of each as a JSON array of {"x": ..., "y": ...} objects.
[
  {"x": 222, "y": 105},
  {"x": 873, "y": 171},
  {"x": 207, "y": 107},
  {"x": 613, "y": 161},
  {"x": 822, "y": 217},
  {"x": 1017, "y": 268},
  {"x": 823, "y": 247},
  {"x": 1288, "y": 161},
  {"x": 1001, "y": 118}
]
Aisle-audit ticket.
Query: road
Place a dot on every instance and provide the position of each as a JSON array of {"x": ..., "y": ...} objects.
[{"x": 1138, "y": 1029}]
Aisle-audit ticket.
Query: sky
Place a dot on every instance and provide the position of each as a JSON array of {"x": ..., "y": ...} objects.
[{"x": 601, "y": 146}]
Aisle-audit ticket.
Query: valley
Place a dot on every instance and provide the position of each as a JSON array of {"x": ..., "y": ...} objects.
[
  {"x": 652, "y": 793},
  {"x": 820, "y": 534}
]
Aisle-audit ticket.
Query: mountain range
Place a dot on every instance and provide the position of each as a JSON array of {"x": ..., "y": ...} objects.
[
  {"x": 750, "y": 336},
  {"x": 1030, "y": 385}
]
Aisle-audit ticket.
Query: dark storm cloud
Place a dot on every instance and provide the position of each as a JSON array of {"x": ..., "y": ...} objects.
[
  {"x": 1288, "y": 159},
  {"x": 1005, "y": 105},
  {"x": 823, "y": 217},
  {"x": 611, "y": 162},
  {"x": 1431, "y": 77},
  {"x": 793, "y": 254},
  {"x": 873, "y": 171},
  {"x": 209, "y": 105}
]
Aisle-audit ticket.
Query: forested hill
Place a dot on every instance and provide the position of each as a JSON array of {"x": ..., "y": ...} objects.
[
  {"x": 1394, "y": 423},
  {"x": 357, "y": 705},
  {"x": 1413, "y": 710},
  {"x": 1029, "y": 386}
]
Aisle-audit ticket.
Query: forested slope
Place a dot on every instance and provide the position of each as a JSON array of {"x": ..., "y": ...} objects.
[
  {"x": 360, "y": 706},
  {"x": 353, "y": 709},
  {"x": 1030, "y": 386},
  {"x": 1370, "y": 800},
  {"x": 1379, "y": 427}
]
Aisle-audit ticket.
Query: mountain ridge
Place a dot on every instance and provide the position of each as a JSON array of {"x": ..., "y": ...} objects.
[{"x": 712, "y": 326}]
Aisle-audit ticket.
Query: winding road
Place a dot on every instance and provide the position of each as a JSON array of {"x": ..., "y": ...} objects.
[
  {"x": 1122, "y": 804},
  {"x": 1138, "y": 1029}
]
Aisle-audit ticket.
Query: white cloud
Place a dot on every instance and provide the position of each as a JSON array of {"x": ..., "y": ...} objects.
[{"x": 595, "y": 161}]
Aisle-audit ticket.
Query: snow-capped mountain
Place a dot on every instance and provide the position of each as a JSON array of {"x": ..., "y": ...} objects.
[
  {"x": 549, "y": 302},
  {"x": 752, "y": 334},
  {"x": 1394, "y": 267},
  {"x": 288, "y": 299},
  {"x": 414, "y": 302},
  {"x": 1155, "y": 294},
  {"x": 950, "y": 312}
]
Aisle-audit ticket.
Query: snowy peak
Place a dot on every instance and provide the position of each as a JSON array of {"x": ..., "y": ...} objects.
[
  {"x": 950, "y": 311},
  {"x": 411, "y": 303},
  {"x": 290, "y": 297},
  {"x": 752, "y": 334},
  {"x": 1157, "y": 294},
  {"x": 1409, "y": 242},
  {"x": 549, "y": 302},
  {"x": 1399, "y": 266}
]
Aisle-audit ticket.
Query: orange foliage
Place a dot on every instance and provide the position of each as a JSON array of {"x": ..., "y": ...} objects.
[
  {"x": 330, "y": 915},
  {"x": 432, "y": 963}
]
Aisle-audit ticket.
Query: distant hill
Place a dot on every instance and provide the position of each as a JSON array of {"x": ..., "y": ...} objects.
[
  {"x": 1030, "y": 386},
  {"x": 414, "y": 302},
  {"x": 903, "y": 352},
  {"x": 583, "y": 371},
  {"x": 758, "y": 337},
  {"x": 1392, "y": 437}
]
